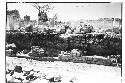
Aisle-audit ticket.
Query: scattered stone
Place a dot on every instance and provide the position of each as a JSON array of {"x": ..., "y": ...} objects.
[
  {"x": 31, "y": 77},
  {"x": 26, "y": 73},
  {"x": 73, "y": 80},
  {"x": 18, "y": 69},
  {"x": 83, "y": 69},
  {"x": 11, "y": 72}
]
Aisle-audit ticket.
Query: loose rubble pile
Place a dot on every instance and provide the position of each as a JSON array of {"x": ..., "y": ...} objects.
[
  {"x": 21, "y": 70},
  {"x": 17, "y": 75}
]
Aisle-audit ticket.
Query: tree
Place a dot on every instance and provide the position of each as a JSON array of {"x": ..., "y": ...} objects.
[
  {"x": 43, "y": 9},
  {"x": 54, "y": 20}
]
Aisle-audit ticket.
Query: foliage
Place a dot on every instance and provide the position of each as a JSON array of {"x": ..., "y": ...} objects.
[
  {"x": 100, "y": 46},
  {"x": 43, "y": 10},
  {"x": 44, "y": 7}
]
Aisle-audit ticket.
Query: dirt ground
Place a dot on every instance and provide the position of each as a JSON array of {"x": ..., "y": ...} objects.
[{"x": 79, "y": 72}]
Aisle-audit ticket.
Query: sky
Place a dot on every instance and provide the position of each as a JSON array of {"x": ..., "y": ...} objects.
[{"x": 71, "y": 11}]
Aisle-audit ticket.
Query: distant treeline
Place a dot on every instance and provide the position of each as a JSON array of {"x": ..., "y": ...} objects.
[{"x": 88, "y": 44}]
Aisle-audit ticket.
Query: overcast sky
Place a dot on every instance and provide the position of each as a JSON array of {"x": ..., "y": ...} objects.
[{"x": 72, "y": 11}]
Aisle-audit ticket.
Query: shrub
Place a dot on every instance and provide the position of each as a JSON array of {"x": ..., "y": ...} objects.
[
  {"x": 36, "y": 52},
  {"x": 101, "y": 46}
]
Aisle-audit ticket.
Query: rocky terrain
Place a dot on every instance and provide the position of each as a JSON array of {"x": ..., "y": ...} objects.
[{"x": 62, "y": 72}]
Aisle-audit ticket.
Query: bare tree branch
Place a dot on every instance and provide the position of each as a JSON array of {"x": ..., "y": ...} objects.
[{"x": 42, "y": 7}]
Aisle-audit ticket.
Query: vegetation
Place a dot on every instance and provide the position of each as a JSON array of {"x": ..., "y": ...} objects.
[{"x": 100, "y": 46}]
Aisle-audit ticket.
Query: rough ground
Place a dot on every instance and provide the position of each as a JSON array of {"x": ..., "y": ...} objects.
[{"x": 79, "y": 72}]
